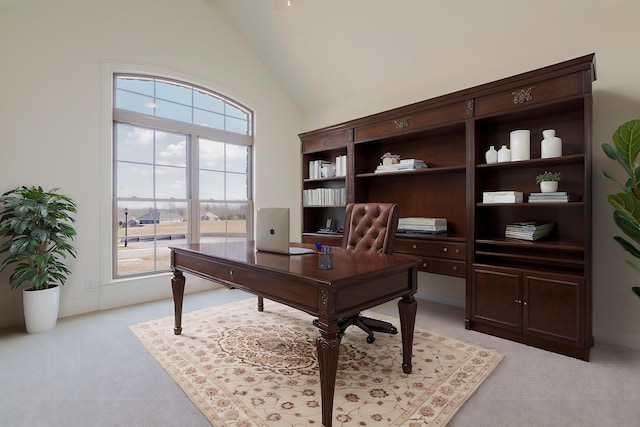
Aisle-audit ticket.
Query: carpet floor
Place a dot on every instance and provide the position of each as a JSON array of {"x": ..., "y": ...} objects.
[{"x": 244, "y": 368}]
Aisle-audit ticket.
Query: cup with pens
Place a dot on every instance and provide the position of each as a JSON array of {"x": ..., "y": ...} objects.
[{"x": 325, "y": 257}]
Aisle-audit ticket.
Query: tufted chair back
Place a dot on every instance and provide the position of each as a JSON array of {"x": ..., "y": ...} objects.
[{"x": 370, "y": 227}]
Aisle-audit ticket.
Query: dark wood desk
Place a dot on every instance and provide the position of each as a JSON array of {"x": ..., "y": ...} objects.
[{"x": 358, "y": 281}]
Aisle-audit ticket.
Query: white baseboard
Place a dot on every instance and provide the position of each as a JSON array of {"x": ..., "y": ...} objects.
[{"x": 442, "y": 299}]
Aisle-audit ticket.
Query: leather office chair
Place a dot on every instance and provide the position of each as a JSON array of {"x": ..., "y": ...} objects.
[{"x": 369, "y": 227}]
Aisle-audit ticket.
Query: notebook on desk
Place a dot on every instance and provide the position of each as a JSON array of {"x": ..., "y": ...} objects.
[{"x": 272, "y": 232}]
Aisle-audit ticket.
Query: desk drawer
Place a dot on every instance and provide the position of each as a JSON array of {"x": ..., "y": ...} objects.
[
  {"x": 446, "y": 267},
  {"x": 431, "y": 249}
]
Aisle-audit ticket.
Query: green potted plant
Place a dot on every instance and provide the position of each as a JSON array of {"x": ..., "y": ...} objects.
[
  {"x": 36, "y": 228},
  {"x": 548, "y": 181},
  {"x": 626, "y": 203}
]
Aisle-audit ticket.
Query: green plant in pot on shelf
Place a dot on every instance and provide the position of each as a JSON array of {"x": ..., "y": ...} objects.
[
  {"x": 626, "y": 203},
  {"x": 36, "y": 228},
  {"x": 548, "y": 181}
]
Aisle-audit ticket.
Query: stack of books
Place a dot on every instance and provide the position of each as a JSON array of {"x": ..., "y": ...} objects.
[
  {"x": 404, "y": 165},
  {"x": 556, "y": 196},
  {"x": 528, "y": 230},
  {"x": 422, "y": 225},
  {"x": 502, "y": 197}
]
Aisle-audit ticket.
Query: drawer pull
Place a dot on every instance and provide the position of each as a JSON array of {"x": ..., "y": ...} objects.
[
  {"x": 445, "y": 250},
  {"x": 457, "y": 251},
  {"x": 415, "y": 246},
  {"x": 233, "y": 275},
  {"x": 424, "y": 264},
  {"x": 455, "y": 268}
]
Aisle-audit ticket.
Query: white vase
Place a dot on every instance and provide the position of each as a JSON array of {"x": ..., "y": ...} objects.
[
  {"x": 520, "y": 143},
  {"x": 491, "y": 155},
  {"x": 41, "y": 309},
  {"x": 551, "y": 145},
  {"x": 504, "y": 154},
  {"x": 548, "y": 186}
]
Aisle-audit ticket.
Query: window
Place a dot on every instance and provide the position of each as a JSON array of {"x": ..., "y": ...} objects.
[{"x": 182, "y": 170}]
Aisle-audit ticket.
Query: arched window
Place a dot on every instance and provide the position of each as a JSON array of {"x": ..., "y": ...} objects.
[{"x": 182, "y": 170}]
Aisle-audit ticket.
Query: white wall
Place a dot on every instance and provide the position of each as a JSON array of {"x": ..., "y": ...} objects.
[
  {"x": 55, "y": 59},
  {"x": 479, "y": 42}
]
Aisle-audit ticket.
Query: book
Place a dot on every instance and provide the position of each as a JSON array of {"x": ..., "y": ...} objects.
[
  {"x": 502, "y": 193},
  {"x": 423, "y": 227},
  {"x": 528, "y": 230},
  {"x": 502, "y": 199},
  {"x": 422, "y": 221}
]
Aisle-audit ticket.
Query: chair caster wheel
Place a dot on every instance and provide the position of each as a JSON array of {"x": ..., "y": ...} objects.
[
  {"x": 394, "y": 330},
  {"x": 370, "y": 339}
]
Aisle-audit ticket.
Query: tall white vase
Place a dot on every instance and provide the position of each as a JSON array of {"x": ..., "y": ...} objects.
[
  {"x": 520, "y": 144},
  {"x": 551, "y": 145},
  {"x": 41, "y": 309}
]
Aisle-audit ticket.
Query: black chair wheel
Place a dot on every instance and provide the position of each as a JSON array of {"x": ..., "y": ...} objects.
[{"x": 370, "y": 339}]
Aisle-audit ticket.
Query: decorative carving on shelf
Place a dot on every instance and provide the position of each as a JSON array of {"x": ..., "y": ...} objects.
[
  {"x": 470, "y": 107},
  {"x": 402, "y": 123},
  {"x": 522, "y": 96},
  {"x": 326, "y": 141},
  {"x": 349, "y": 135}
]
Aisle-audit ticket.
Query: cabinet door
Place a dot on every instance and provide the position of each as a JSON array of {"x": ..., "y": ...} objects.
[
  {"x": 496, "y": 297},
  {"x": 552, "y": 306}
]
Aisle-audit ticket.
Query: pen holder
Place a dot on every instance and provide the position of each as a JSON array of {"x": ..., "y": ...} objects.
[{"x": 325, "y": 261}]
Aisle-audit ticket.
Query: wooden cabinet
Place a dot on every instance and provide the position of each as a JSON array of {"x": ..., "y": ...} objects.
[{"x": 451, "y": 134}]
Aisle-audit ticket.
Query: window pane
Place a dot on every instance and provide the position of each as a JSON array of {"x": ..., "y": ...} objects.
[
  {"x": 237, "y": 126},
  {"x": 236, "y": 186},
  {"x": 206, "y": 118},
  {"x": 171, "y": 149},
  {"x": 134, "y": 102},
  {"x": 134, "y": 180},
  {"x": 142, "y": 86},
  {"x": 171, "y": 182},
  {"x": 207, "y": 102},
  {"x": 171, "y": 110},
  {"x": 221, "y": 222},
  {"x": 134, "y": 144},
  {"x": 237, "y": 158},
  {"x": 211, "y": 155},
  {"x": 236, "y": 112},
  {"x": 211, "y": 185},
  {"x": 174, "y": 92}
]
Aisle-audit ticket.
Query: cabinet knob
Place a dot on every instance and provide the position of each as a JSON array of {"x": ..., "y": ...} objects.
[
  {"x": 424, "y": 264},
  {"x": 524, "y": 303},
  {"x": 415, "y": 246},
  {"x": 445, "y": 249},
  {"x": 518, "y": 301},
  {"x": 233, "y": 274},
  {"x": 455, "y": 268},
  {"x": 457, "y": 251}
]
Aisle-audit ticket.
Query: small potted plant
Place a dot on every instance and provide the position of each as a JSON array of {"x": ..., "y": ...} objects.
[
  {"x": 548, "y": 181},
  {"x": 36, "y": 227}
]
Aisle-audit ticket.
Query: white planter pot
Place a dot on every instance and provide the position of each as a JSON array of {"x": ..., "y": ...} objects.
[
  {"x": 41, "y": 309},
  {"x": 548, "y": 186}
]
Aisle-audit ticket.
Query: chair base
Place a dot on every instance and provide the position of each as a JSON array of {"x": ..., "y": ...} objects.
[{"x": 367, "y": 324}]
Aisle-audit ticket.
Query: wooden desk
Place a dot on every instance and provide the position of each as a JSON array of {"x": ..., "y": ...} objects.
[{"x": 358, "y": 281}]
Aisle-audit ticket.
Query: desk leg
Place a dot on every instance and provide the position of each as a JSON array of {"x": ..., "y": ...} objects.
[
  {"x": 328, "y": 345},
  {"x": 177, "y": 284},
  {"x": 407, "y": 307}
]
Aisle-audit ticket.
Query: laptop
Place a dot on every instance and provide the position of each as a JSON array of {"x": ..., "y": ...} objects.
[{"x": 272, "y": 232}]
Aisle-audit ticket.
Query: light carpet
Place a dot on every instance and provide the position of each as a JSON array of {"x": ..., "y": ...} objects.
[{"x": 245, "y": 368}]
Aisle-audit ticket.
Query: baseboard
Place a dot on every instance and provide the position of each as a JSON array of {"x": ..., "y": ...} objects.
[{"x": 624, "y": 340}]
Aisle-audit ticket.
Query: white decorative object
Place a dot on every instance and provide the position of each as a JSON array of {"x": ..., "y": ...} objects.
[
  {"x": 491, "y": 155},
  {"x": 548, "y": 186},
  {"x": 504, "y": 154},
  {"x": 41, "y": 309},
  {"x": 520, "y": 143},
  {"x": 551, "y": 145}
]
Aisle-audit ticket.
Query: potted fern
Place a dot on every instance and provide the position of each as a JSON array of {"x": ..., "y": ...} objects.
[
  {"x": 626, "y": 203},
  {"x": 36, "y": 228}
]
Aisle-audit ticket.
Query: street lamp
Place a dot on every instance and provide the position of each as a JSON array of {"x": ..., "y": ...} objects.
[{"x": 126, "y": 225}]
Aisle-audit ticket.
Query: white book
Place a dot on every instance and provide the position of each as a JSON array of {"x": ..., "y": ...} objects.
[
  {"x": 502, "y": 199},
  {"x": 503, "y": 193},
  {"x": 422, "y": 221}
]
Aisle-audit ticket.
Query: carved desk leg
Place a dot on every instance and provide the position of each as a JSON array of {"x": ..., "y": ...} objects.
[
  {"x": 177, "y": 284},
  {"x": 407, "y": 307},
  {"x": 328, "y": 345}
]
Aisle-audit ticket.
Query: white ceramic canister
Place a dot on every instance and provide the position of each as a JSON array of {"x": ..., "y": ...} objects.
[
  {"x": 520, "y": 143},
  {"x": 551, "y": 145},
  {"x": 491, "y": 155},
  {"x": 504, "y": 154}
]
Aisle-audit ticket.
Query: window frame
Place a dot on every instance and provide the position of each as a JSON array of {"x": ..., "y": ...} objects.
[{"x": 193, "y": 133}]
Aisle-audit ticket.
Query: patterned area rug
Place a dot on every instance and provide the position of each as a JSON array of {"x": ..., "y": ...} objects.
[{"x": 243, "y": 368}]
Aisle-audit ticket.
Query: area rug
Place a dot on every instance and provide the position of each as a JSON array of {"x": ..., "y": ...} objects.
[{"x": 244, "y": 368}]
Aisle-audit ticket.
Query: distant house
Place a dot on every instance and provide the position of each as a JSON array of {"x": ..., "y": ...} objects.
[
  {"x": 208, "y": 216},
  {"x": 159, "y": 217}
]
